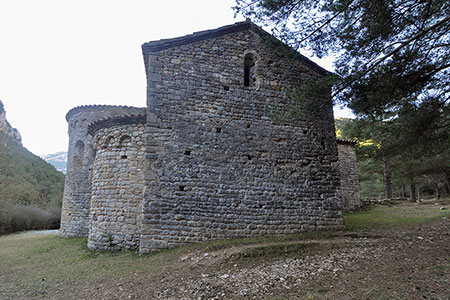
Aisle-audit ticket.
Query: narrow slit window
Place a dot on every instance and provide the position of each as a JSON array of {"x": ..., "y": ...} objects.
[
  {"x": 79, "y": 153},
  {"x": 249, "y": 68}
]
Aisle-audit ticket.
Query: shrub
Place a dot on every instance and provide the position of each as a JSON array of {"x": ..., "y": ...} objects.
[{"x": 14, "y": 218}]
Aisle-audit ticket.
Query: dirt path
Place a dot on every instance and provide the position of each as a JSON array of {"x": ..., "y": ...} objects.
[{"x": 39, "y": 232}]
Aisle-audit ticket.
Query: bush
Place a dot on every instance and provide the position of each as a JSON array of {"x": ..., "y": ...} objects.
[{"x": 14, "y": 218}]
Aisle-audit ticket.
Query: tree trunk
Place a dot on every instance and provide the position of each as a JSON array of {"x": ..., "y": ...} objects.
[
  {"x": 447, "y": 183},
  {"x": 412, "y": 196},
  {"x": 387, "y": 180},
  {"x": 418, "y": 194}
]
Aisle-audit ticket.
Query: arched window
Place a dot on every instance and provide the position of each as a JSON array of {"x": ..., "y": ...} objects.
[
  {"x": 78, "y": 155},
  {"x": 108, "y": 142},
  {"x": 249, "y": 69},
  {"x": 125, "y": 139}
]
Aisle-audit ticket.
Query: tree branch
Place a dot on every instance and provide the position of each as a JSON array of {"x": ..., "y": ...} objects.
[{"x": 383, "y": 58}]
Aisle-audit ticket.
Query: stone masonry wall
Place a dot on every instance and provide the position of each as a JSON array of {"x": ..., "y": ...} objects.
[
  {"x": 117, "y": 186},
  {"x": 77, "y": 188},
  {"x": 348, "y": 169},
  {"x": 217, "y": 166}
]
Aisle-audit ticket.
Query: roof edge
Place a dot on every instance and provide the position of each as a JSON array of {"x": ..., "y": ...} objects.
[
  {"x": 124, "y": 119},
  {"x": 154, "y": 46},
  {"x": 76, "y": 109},
  {"x": 346, "y": 141}
]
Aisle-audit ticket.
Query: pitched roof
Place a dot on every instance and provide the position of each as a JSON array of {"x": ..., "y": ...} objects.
[{"x": 154, "y": 46}]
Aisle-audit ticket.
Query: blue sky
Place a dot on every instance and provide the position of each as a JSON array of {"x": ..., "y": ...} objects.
[{"x": 58, "y": 54}]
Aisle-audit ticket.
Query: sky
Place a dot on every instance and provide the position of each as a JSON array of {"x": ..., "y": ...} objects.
[{"x": 58, "y": 54}]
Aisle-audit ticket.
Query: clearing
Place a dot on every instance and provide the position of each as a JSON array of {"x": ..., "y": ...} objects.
[{"x": 395, "y": 251}]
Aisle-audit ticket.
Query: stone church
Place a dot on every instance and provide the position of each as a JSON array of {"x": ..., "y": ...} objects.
[{"x": 204, "y": 160}]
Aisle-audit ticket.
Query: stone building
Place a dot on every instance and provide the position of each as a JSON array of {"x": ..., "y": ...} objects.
[
  {"x": 204, "y": 160},
  {"x": 348, "y": 171}
]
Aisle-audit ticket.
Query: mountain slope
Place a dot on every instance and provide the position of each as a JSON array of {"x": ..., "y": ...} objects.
[
  {"x": 58, "y": 160},
  {"x": 26, "y": 179}
]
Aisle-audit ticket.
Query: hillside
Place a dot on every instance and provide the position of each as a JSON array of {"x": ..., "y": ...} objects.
[
  {"x": 31, "y": 189},
  {"x": 27, "y": 179},
  {"x": 58, "y": 160}
]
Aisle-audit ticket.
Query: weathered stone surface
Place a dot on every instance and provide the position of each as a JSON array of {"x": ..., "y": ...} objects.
[
  {"x": 77, "y": 187},
  {"x": 117, "y": 185},
  {"x": 209, "y": 162},
  {"x": 348, "y": 170},
  {"x": 218, "y": 166}
]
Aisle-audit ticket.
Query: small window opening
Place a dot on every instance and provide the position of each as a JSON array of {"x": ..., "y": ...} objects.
[
  {"x": 187, "y": 152},
  {"x": 249, "y": 157},
  {"x": 181, "y": 188},
  {"x": 125, "y": 139},
  {"x": 109, "y": 141},
  {"x": 218, "y": 130},
  {"x": 124, "y": 157},
  {"x": 249, "y": 66},
  {"x": 226, "y": 87},
  {"x": 79, "y": 153},
  {"x": 305, "y": 131},
  {"x": 248, "y": 125}
]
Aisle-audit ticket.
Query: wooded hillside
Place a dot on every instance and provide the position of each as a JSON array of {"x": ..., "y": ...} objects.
[{"x": 30, "y": 189}]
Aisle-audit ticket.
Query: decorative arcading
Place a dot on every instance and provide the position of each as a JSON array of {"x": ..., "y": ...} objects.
[
  {"x": 116, "y": 120},
  {"x": 346, "y": 141},
  {"x": 82, "y": 108}
]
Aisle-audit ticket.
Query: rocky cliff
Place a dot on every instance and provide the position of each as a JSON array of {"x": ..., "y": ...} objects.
[{"x": 6, "y": 127}]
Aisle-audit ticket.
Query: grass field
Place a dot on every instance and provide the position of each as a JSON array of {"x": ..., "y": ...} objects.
[
  {"x": 50, "y": 267},
  {"x": 396, "y": 214}
]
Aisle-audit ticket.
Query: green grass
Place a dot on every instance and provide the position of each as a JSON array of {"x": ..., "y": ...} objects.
[
  {"x": 400, "y": 214},
  {"x": 34, "y": 263}
]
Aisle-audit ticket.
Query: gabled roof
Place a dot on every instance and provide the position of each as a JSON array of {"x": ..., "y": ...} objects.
[{"x": 158, "y": 45}]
